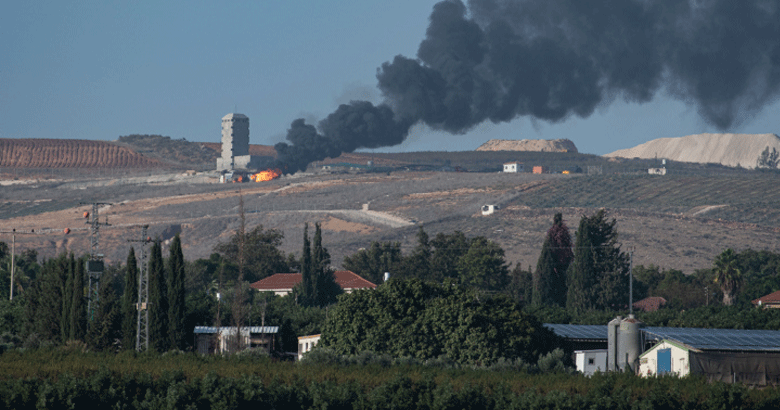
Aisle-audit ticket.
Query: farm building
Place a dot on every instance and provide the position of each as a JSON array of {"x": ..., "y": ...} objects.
[
  {"x": 540, "y": 169},
  {"x": 306, "y": 343},
  {"x": 733, "y": 356},
  {"x": 210, "y": 339},
  {"x": 513, "y": 167},
  {"x": 283, "y": 283}
]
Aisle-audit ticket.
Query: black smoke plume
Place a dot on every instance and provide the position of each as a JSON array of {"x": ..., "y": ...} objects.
[{"x": 498, "y": 60}]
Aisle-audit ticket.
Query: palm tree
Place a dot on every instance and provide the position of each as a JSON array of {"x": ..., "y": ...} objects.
[{"x": 727, "y": 275}]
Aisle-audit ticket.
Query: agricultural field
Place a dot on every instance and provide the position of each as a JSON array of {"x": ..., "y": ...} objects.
[
  {"x": 62, "y": 153},
  {"x": 680, "y": 221}
]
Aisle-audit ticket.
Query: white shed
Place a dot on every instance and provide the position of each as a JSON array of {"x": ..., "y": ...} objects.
[
  {"x": 667, "y": 357},
  {"x": 591, "y": 361},
  {"x": 513, "y": 167}
]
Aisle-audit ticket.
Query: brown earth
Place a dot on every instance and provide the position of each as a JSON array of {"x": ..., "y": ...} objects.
[
  {"x": 62, "y": 153},
  {"x": 560, "y": 145},
  {"x": 686, "y": 237}
]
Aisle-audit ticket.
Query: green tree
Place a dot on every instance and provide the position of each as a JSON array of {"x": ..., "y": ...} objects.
[
  {"x": 412, "y": 318},
  {"x": 727, "y": 275},
  {"x": 520, "y": 285},
  {"x": 447, "y": 251},
  {"x": 598, "y": 275},
  {"x": 105, "y": 326},
  {"x": 177, "y": 308},
  {"x": 129, "y": 310},
  {"x": 326, "y": 288},
  {"x": 78, "y": 309},
  {"x": 418, "y": 264},
  {"x": 483, "y": 265},
  {"x": 768, "y": 159},
  {"x": 262, "y": 257},
  {"x": 158, "y": 301},
  {"x": 307, "y": 294},
  {"x": 549, "y": 278},
  {"x": 378, "y": 258}
]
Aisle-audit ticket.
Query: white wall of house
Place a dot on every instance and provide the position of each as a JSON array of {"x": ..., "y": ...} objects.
[
  {"x": 306, "y": 343},
  {"x": 590, "y": 361},
  {"x": 681, "y": 359},
  {"x": 513, "y": 167}
]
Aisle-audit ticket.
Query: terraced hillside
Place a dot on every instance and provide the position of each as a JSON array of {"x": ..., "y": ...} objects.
[{"x": 62, "y": 153}]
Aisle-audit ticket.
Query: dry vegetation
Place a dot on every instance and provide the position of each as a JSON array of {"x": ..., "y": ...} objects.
[{"x": 56, "y": 153}]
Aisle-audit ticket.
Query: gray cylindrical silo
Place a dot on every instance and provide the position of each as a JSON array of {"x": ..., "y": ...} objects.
[
  {"x": 612, "y": 340},
  {"x": 629, "y": 344}
]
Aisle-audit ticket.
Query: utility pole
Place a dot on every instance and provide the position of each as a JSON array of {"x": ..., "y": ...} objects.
[
  {"x": 631, "y": 282},
  {"x": 95, "y": 266},
  {"x": 142, "y": 324},
  {"x": 13, "y": 233}
]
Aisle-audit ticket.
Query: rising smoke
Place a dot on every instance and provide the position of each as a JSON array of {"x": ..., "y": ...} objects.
[{"x": 498, "y": 60}]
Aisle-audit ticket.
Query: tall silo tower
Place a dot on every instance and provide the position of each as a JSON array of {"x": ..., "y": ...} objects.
[{"x": 235, "y": 140}]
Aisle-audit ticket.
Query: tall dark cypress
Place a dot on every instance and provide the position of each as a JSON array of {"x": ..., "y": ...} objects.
[
  {"x": 129, "y": 301},
  {"x": 159, "y": 339},
  {"x": 325, "y": 287},
  {"x": 78, "y": 307},
  {"x": 549, "y": 279},
  {"x": 307, "y": 279},
  {"x": 176, "y": 296}
]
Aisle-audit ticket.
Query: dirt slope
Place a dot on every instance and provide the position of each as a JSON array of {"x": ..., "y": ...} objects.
[
  {"x": 726, "y": 149},
  {"x": 62, "y": 153},
  {"x": 562, "y": 145}
]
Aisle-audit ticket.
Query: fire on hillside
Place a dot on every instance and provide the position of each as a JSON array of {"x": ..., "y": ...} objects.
[{"x": 266, "y": 175}]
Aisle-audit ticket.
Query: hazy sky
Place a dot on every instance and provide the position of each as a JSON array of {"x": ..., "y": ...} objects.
[{"x": 103, "y": 69}]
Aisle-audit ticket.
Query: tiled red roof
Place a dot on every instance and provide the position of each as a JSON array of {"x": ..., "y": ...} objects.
[
  {"x": 278, "y": 281},
  {"x": 351, "y": 280},
  {"x": 772, "y": 298},
  {"x": 346, "y": 279},
  {"x": 650, "y": 304}
]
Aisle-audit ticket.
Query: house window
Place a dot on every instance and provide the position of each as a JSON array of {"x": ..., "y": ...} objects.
[{"x": 591, "y": 361}]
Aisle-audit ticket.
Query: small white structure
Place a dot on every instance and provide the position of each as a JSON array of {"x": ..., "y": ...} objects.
[
  {"x": 656, "y": 171},
  {"x": 513, "y": 167},
  {"x": 489, "y": 209},
  {"x": 306, "y": 343},
  {"x": 667, "y": 357},
  {"x": 591, "y": 361},
  {"x": 210, "y": 339}
]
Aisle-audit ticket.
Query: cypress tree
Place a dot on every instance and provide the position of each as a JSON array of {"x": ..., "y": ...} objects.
[
  {"x": 78, "y": 308},
  {"x": 325, "y": 287},
  {"x": 176, "y": 295},
  {"x": 129, "y": 301},
  {"x": 598, "y": 275},
  {"x": 307, "y": 280},
  {"x": 159, "y": 339},
  {"x": 549, "y": 279},
  {"x": 105, "y": 325}
]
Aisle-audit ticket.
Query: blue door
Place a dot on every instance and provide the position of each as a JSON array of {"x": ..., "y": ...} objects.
[{"x": 664, "y": 361}]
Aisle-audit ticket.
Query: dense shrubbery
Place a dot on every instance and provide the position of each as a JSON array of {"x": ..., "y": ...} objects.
[
  {"x": 425, "y": 320},
  {"x": 98, "y": 381}
]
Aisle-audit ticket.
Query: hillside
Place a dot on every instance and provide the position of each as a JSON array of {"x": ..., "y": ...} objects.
[
  {"x": 733, "y": 150},
  {"x": 676, "y": 221},
  {"x": 560, "y": 145},
  {"x": 63, "y": 153}
]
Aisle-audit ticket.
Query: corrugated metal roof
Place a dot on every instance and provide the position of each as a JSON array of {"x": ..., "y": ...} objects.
[
  {"x": 232, "y": 329},
  {"x": 703, "y": 339}
]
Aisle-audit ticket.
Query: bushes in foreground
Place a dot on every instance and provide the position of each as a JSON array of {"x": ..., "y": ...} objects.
[{"x": 60, "y": 378}]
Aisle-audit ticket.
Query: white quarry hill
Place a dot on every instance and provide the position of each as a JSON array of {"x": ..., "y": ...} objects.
[
  {"x": 726, "y": 149},
  {"x": 561, "y": 145}
]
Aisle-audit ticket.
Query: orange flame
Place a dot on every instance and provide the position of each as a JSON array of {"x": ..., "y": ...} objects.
[{"x": 266, "y": 175}]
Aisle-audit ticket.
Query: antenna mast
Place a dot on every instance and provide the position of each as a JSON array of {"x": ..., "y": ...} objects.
[
  {"x": 95, "y": 266},
  {"x": 142, "y": 324}
]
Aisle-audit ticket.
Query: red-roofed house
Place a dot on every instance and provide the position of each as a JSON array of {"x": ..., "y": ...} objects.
[
  {"x": 650, "y": 304},
  {"x": 283, "y": 283},
  {"x": 771, "y": 300}
]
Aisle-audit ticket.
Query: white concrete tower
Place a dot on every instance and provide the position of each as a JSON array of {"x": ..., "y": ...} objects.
[{"x": 235, "y": 140}]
